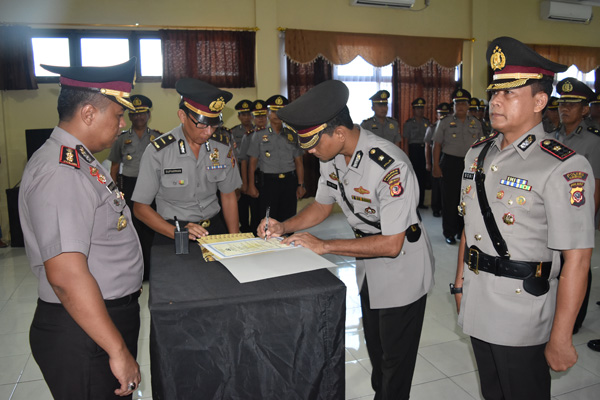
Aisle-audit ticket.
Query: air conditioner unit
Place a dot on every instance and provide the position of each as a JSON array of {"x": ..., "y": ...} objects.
[
  {"x": 569, "y": 12},
  {"x": 384, "y": 3}
]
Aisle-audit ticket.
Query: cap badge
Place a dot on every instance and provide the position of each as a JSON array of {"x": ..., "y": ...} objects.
[
  {"x": 384, "y": 95},
  {"x": 259, "y": 106},
  {"x": 459, "y": 93},
  {"x": 420, "y": 101},
  {"x": 137, "y": 102},
  {"x": 498, "y": 60},
  {"x": 567, "y": 87},
  {"x": 245, "y": 105},
  {"x": 217, "y": 105},
  {"x": 279, "y": 101}
]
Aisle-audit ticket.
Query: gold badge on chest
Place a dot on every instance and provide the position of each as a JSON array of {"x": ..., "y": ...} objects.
[{"x": 121, "y": 222}]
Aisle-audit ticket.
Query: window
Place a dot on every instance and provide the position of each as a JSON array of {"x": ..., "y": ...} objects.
[
  {"x": 363, "y": 81},
  {"x": 587, "y": 78},
  {"x": 97, "y": 48}
]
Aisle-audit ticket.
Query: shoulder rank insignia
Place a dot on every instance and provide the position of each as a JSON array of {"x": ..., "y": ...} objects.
[
  {"x": 593, "y": 130},
  {"x": 221, "y": 136},
  {"x": 357, "y": 159},
  {"x": 84, "y": 154},
  {"x": 182, "y": 148},
  {"x": 163, "y": 141},
  {"x": 380, "y": 157},
  {"x": 69, "y": 156},
  {"x": 484, "y": 139},
  {"x": 556, "y": 149}
]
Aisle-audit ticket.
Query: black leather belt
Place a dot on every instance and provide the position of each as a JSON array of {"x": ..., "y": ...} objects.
[
  {"x": 123, "y": 300},
  {"x": 280, "y": 176},
  {"x": 534, "y": 274}
]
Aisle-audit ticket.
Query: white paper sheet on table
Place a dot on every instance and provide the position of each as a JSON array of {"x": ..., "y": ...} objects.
[{"x": 271, "y": 264}]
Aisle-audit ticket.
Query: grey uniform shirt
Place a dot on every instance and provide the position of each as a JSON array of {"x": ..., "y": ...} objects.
[
  {"x": 182, "y": 185},
  {"x": 585, "y": 141},
  {"x": 129, "y": 148},
  {"x": 541, "y": 205},
  {"x": 429, "y": 133},
  {"x": 414, "y": 132},
  {"x": 75, "y": 207},
  {"x": 455, "y": 136},
  {"x": 238, "y": 133},
  {"x": 245, "y": 144},
  {"x": 388, "y": 194},
  {"x": 388, "y": 129},
  {"x": 275, "y": 152}
]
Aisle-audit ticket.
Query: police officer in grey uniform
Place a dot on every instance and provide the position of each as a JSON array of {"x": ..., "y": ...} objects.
[
  {"x": 519, "y": 315},
  {"x": 451, "y": 141},
  {"x": 81, "y": 244},
  {"x": 474, "y": 107},
  {"x": 380, "y": 124},
  {"x": 551, "y": 119},
  {"x": 128, "y": 150},
  {"x": 413, "y": 132},
  {"x": 275, "y": 152},
  {"x": 184, "y": 168},
  {"x": 594, "y": 118},
  {"x": 373, "y": 182},
  {"x": 442, "y": 110},
  {"x": 576, "y": 134}
]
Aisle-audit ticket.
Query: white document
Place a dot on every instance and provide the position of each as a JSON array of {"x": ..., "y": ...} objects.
[{"x": 244, "y": 247}]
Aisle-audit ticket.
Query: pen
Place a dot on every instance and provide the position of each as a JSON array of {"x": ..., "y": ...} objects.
[
  {"x": 177, "y": 224},
  {"x": 267, "y": 222}
]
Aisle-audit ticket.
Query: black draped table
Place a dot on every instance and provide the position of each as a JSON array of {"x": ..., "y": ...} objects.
[{"x": 214, "y": 338}]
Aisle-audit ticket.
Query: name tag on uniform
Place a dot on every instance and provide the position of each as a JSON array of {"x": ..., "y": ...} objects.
[
  {"x": 468, "y": 175},
  {"x": 332, "y": 185},
  {"x": 170, "y": 171}
]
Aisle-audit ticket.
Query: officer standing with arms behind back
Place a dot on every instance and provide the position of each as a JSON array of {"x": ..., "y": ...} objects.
[
  {"x": 413, "y": 133},
  {"x": 128, "y": 150},
  {"x": 373, "y": 182},
  {"x": 184, "y": 168},
  {"x": 526, "y": 202},
  {"x": 451, "y": 141},
  {"x": 380, "y": 124},
  {"x": 81, "y": 244},
  {"x": 442, "y": 111}
]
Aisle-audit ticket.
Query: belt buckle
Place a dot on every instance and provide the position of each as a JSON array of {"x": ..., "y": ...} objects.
[
  {"x": 205, "y": 223},
  {"x": 538, "y": 270},
  {"x": 476, "y": 269},
  {"x": 281, "y": 176}
]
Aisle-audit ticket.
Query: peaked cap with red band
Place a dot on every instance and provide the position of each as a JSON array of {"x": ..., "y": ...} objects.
[
  {"x": 203, "y": 100},
  {"x": 114, "y": 82},
  {"x": 515, "y": 64},
  {"x": 309, "y": 114}
]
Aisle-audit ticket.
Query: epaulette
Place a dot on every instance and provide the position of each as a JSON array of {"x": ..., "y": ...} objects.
[
  {"x": 163, "y": 141},
  {"x": 68, "y": 156},
  {"x": 593, "y": 130},
  {"x": 556, "y": 149},
  {"x": 380, "y": 157},
  {"x": 221, "y": 135},
  {"x": 484, "y": 139}
]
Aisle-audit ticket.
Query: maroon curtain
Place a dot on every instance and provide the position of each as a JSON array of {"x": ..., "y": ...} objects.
[
  {"x": 430, "y": 81},
  {"x": 222, "y": 58},
  {"x": 16, "y": 59},
  {"x": 300, "y": 79}
]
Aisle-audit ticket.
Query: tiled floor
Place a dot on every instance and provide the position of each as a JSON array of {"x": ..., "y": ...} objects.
[{"x": 445, "y": 366}]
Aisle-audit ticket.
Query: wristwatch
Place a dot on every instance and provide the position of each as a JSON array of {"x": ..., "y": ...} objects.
[
  {"x": 455, "y": 290},
  {"x": 301, "y": 184}
]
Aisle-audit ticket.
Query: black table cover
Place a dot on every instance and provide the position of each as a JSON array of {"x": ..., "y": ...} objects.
[{"x": 214, "y": 338}]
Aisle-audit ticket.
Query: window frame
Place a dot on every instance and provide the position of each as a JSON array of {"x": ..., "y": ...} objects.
[{"x": 75, "y": 35}]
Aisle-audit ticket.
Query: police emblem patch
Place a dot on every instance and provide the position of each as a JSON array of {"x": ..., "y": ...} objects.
[{"x": 577, "y": 194}]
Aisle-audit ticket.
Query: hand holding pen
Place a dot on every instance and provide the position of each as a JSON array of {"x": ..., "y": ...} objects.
[{"x": 267, "y": 222}]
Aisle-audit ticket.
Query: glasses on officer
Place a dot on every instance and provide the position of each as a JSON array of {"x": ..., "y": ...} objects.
[{"x": 200, "y": 125}]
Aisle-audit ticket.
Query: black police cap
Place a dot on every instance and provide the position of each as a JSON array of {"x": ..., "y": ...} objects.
[
  {"x": 309, "y": 114},
  {"x": 141, "y": 103},
  {"x": 277, "y": 102},
  {"x": 419, "y": 102},
  {"x": 381, "y": 97},
  {"x": 114, "y": 82},
  {"x": 596, "y": 98},
  {"x": 553, "y": 103},
  {"x": 461, "y": 94},
  {"x": 259, "y": 107},
  {"x": 443, "y": 108},
  {"x": 515, "y": 64},
  {"x": 203, "y": 99},
  {"x": 474, "y": 103},
  {"x": 243, "y": 106},
  {"x": 572, "y": 90}
]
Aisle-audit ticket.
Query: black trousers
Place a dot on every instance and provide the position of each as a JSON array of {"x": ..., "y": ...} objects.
[
  {"x": 436, "y": 194},
  {"x": 416, "y": 154},
  {"x": 73, "y": 365},
  {"x": 512, "y": 373},
  {"x": 452, "y": 169},
  {"x": 280, "y": 195},
  {"x": 249, "y": 213},
  {"x": 145, "y": 233},
  {"x": 392, "y": 336}
]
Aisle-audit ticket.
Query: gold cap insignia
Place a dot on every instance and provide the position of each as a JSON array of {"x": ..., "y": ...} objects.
[
  {"x": 245, "y": 105},
  {"x": 420, "y": 101},
  {"x": 459, "y": 93},
  {"x": 259, "y": 106},
  {"x": 137, "y": 102},
  {"x": 217, "y": 105},
  {"x": 498, "y": 60},
  {"x": 567, "y": 87},
  {"x": 279, "y": 101},
  {"x": 384, "y": 95}
]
